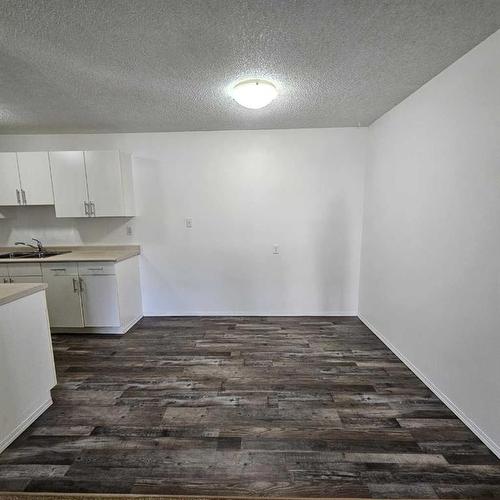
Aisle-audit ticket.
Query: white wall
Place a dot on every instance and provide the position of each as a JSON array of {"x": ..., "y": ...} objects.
[
  {"x": 430, "y": 274},
  {"x": 245, "y": 190}
]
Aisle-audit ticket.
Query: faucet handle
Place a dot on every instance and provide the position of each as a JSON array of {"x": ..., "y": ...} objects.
[{"x": 38, "y": 244}]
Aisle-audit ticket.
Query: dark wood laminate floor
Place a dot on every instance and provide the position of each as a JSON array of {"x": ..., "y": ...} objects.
[{"x": 245, "y": 406}]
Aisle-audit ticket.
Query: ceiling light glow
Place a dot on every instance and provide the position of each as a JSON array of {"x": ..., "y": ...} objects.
[{"x": 254, "y": 94}]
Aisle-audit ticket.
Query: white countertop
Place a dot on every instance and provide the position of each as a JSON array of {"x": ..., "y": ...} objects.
[
  {"x": 14, "y": 291},
  {"x": 87, "y": 253}
]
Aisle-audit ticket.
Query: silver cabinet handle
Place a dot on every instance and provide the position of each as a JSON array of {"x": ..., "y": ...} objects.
[
  {"x": 18, "y": 195},
  {"x": 86, "y": 206},
  {"x": 23, "y": 192},
  {"x": 75, "y": 285},
  {"x": 58, "y": 269},
  {"x": 95, "y": 268},
  {"x": 92, "y": 208},
  {"x": 80, "y": 280}
]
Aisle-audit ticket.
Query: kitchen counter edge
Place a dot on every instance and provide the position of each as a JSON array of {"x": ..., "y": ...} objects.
[
  {"x": 80, "y": 254},
  {"x": 15, "y": 291}
]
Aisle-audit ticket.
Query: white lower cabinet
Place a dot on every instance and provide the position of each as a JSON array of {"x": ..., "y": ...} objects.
[
  {"x": 100, "y": 300},
  {"x": 84, "y": 297},
  {"x": 20, "y": 273},
  {"x": 4, "y": 273},
  {"x": 63, "y": 295},
  {"x": 93, "y": 297}
]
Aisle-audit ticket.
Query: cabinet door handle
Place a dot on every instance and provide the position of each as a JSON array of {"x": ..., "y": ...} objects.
[
  {"x": 92, "y": 208},
  {"x": 23, "y": 192},
  {"x": 58, "y": 269},
  {"x": 95, "y": 268},
  {"x": 86, "y": 206},
  {"x": 6, "y": 280},
  {"x": 18, "y": 195},
  {"x": 75, "y": 285},
  {"x": 80, "y": 280},
  {"x": 11, "y": 280}
]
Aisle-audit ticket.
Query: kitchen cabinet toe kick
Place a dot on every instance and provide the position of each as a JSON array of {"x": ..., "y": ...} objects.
[{"x": 98, "y": 330}]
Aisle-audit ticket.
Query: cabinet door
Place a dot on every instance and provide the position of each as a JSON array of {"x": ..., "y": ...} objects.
[
  {"x": 100, "y": 301},
  {"x": 9, "y": 180},
  {"x": 63, "y": 300},
  {"x": 104, "y": 183},
  {"x": 69, "y": 182},
  {"x": 4, "y": 273},
  {"x": 34, "y": 173}
]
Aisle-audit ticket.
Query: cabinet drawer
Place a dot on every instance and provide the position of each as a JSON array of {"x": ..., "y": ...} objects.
[
  {"x": 60, "y": 269},
  {"x": 26, "y": 279},
  {"x": 93, "y": 268},
  {"x": 27, "y": 269}
]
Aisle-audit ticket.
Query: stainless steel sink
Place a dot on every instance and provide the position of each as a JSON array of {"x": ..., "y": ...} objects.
[
  {"x": 30, "y": 255},
  {"x": 13, "y": 255}
]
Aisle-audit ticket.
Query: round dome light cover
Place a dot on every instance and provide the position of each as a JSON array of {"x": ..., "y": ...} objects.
[{"x": 254, "y": 94}]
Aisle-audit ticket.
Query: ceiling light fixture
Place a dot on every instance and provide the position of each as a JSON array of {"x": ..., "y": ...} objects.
[{"x": 254, "y": 94}]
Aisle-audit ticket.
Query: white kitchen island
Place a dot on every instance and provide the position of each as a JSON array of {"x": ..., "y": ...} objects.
[{"x": 27, "y": 371}]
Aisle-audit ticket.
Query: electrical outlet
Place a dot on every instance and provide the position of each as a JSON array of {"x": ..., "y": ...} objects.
[
  {"x": 276, "y": 249},
  {"x": 189, "y": 222}
]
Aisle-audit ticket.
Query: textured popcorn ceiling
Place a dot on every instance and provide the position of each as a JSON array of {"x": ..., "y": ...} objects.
[{"x": 147, "y": 65}]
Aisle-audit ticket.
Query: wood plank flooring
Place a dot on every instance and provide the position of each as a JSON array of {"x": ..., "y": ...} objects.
[{"x": 302, "y": 407}]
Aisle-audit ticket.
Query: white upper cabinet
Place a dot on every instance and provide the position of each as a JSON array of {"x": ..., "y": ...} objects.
[
  {"x": 92, "y": 183},
  {"x": 78, "y": 183},
  {"x": 25, "y": 179},
  {"x": 34, "y": 174},
  {"x": 109, "y": 181},
  {"x": 10, "y": 190},
  {"x": 104, "y": 182},
  {"x": 70, "y": 183}
]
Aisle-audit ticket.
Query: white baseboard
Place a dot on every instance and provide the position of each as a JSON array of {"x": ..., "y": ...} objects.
[
  {"x": 490, "y": 443},
  {"x": 20, "y": 428},
  {"x": 250, "y": 314}
]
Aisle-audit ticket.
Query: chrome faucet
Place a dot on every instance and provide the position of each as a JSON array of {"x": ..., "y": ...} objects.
[{"x": 38, "y": 247}]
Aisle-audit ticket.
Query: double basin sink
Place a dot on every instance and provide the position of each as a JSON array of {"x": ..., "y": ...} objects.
[{"x": 30, "y": 255}]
